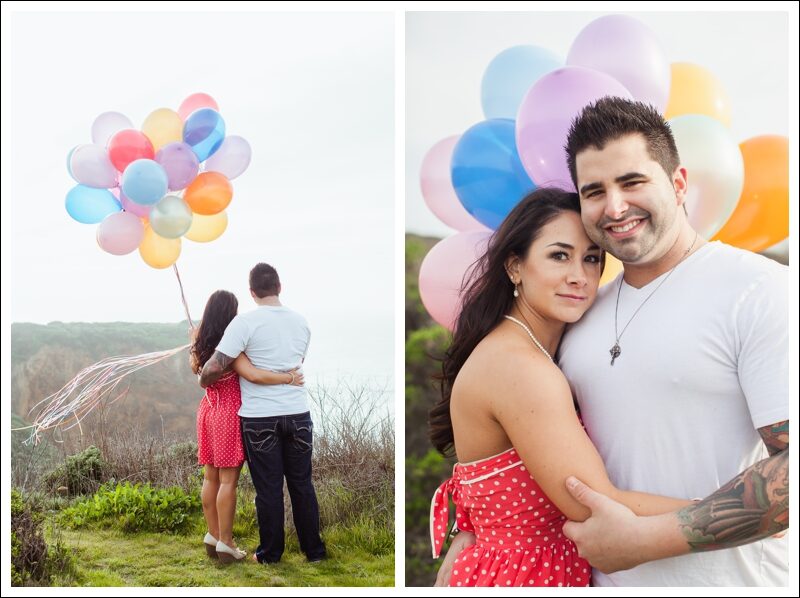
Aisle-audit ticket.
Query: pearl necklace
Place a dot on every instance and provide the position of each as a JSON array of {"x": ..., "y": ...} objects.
[{"x": 530, "y": 334}]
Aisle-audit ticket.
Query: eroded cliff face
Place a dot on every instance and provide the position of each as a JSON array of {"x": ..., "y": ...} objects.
[{"x": 161, "y": 398}]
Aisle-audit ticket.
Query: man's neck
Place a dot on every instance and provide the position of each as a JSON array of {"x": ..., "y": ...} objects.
[
  {"x": 639, "y": 275},
  {"x": 272, "y": 300}
]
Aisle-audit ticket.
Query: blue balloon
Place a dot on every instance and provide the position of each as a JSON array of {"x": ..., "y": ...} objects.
[
  {"x": 89, "y": 205},
  {"x": 510, "y": 75},
  {"x": 204, "y": 131},
  {"x": 486, "y": 171},
  {"x": 144, "y": 182}
]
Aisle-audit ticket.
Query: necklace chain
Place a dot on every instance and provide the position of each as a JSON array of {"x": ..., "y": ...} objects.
[
  {"x": 530, "y": 334},
  {"x": 616, "y": 350}
]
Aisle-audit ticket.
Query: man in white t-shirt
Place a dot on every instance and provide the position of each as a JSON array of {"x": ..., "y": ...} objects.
[
  {"x": 681, "y": 371},
  {"x": 276, "y": 422}
]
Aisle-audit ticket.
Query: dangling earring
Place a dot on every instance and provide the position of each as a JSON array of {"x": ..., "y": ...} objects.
[{"x": 516, "y": 291}]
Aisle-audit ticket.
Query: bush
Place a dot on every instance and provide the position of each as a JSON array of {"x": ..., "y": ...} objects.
[
  {"x": 32, "y": 562},
  {"x": 135, "y": 507},
  {"x": 80, "y": 474}
]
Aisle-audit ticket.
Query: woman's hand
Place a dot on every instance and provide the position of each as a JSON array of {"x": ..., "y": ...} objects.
[
  {"x": 459, "y": 543},
  {"x": 297, "y": 378}
]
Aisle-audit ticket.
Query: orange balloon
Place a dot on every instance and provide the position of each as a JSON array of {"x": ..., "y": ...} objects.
[
  {"x": 613, "y": 267},
  {"x": 761, "y": 218},
  {"x": 209, "y": 193}
]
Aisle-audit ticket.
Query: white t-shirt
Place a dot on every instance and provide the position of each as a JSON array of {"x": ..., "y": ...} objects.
[
  {"x": 274, "y": 338},
  {"x": 703, "y": 365}
]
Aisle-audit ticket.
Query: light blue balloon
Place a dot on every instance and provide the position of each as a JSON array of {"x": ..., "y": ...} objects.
[
  {"x": 510, "y": 75},
  {"x": 90, "y": 205},
  {"x": 204, "y": 132},
  {"x": 144, "y": 182},
  {"x": 487, "y": 173},
  {"x": 69, "y": 163}
]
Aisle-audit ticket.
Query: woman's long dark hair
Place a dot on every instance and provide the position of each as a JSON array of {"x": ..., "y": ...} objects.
[
  {"x": 487, "y": 294},
  {"x": 220, "y": 310}
]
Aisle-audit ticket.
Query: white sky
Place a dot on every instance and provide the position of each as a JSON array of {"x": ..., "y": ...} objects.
[
  {"x": 313, "y": 93},
  {"x": 447, "y": 54}
]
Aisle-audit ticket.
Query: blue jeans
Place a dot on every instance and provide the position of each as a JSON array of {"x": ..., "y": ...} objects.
[{"x": 278, "y": 447}]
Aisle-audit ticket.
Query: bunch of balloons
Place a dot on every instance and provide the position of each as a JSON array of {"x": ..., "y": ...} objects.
[
  {"x": 739, "y": 192},
  {"x": 146, "y": 188}
]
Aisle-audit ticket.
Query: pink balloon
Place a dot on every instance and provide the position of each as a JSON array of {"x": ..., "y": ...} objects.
[
  {"x": 546, "y": 113},
  {"x": 627, "y": 50},
  {"x": 195, "y": 102},
  {"x": 139, "y": 210},
  {"x": 437, "y": 187},
  {"x": 120, "y": 233},
  {"x": 442, "y": 273}
]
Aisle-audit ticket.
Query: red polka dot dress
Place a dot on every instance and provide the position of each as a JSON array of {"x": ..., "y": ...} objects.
[
  {"x": 219, "y": 434},
  {"x": 519, "y": 541}
]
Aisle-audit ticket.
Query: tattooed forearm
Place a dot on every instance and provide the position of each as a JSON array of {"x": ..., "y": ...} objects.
[
  {"x": 214, "y": 368},
  {"x": 776, "y": 437},
  {"x": 752, "y": 506}
]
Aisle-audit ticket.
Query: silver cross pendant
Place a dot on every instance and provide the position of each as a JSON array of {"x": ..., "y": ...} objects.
[{"x": 615, "y": 351}]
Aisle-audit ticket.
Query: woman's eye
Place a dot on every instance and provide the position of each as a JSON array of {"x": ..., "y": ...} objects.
[
  {"x": 559, "y": 255},
  {"x": 593, "y": 259}
]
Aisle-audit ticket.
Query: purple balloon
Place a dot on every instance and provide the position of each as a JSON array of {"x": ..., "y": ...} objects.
[
  {"x": 232, "y": 158},
  {"x": 89, "y": 165},
  {"x": 546, "y": 113},
  {"x": 628, "y": 50},
  {"x": 180, "y": 163}
]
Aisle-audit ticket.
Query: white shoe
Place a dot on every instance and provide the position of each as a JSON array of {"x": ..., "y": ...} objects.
[
  {"x": 210, "y": 542},
  {"x": 227, "y": 554}
]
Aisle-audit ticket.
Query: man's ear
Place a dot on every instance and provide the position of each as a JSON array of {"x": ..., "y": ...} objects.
[{"x": 680, "y": 183}]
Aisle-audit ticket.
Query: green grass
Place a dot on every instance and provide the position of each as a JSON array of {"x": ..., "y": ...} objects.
[{"x": 107, "y": 557}]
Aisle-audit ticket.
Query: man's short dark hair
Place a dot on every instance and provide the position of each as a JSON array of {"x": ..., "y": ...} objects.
[
  {"x": 610, "y": 118},
  {"x": 264, "y": 281}
]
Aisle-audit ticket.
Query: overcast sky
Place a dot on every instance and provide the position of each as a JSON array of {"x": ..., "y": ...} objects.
[
  {"x": 313, "y": 93},
  {"x": 447, "y": 54}
]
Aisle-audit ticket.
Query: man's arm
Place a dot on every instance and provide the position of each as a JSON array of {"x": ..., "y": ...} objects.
[
  {"x": 752, "y": 506},
  {"x": 214, "y": 368}
]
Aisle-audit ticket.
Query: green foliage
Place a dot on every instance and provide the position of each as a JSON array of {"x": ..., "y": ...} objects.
[
  {"x": 134, "y": 507},
  {"x": 426, "y": 343},
  {"x": 80, "y": 474}
]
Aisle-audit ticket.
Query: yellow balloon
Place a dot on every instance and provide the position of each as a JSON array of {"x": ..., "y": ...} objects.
[
  {"x": 613, "y": 267},
  {"x": 159, "y": 252},
  {"x": 695, "y": 90},
  {"x": 207, "y": 228},
  {"x": 163, "y": 126}
]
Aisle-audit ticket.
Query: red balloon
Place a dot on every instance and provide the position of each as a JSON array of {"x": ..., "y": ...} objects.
[{"x": 129, "y": 145}]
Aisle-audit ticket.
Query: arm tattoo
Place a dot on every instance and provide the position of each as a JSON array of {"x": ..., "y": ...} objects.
[
  {"x": 214, "y": 368},
  {"x": 776, "y": 437},
  {"x": 752, "y": 506}
]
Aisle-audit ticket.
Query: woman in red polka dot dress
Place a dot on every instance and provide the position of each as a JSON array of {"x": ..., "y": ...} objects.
[
  {"x": 219, "y": 438},
  {"x": 507, "y": 409}
]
